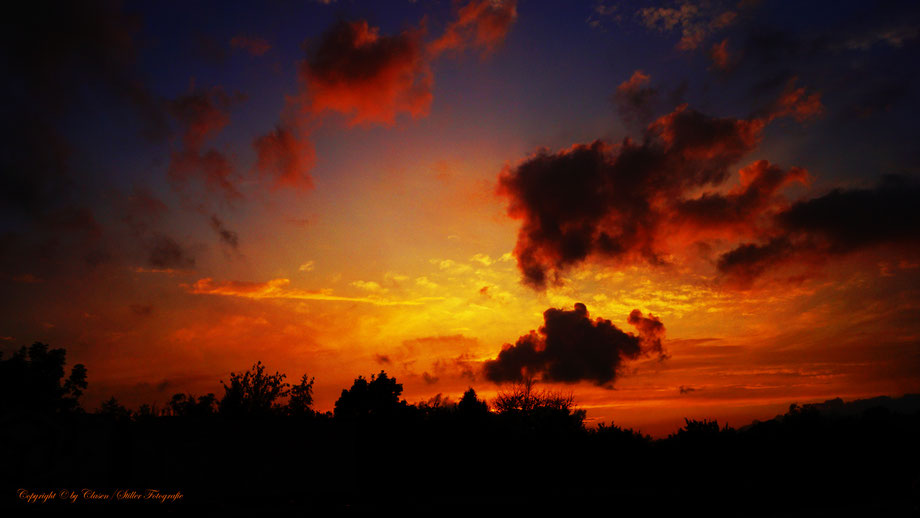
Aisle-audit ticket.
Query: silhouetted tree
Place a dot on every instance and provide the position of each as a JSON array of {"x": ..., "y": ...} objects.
[
  {"x": 377, "y": 398},
  {"x": 614, "y": 432},
  {"x": 701, "y": 431},
  {"x": 253, "y": 393},
  {"x": 146, "y": 411},
  {"x": 301, "y": 402},
  {"x": 188, "y": 406},
  {"x": 113, "y": 409},
  {"x": 437, "y": 401},
  {"x": 471, "y": 405},
  {"x": 31, "y": 382},
  {"x": 543, "y": 408}
]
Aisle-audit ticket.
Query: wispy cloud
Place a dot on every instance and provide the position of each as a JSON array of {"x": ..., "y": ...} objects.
[{"x": 280, "y": 289}]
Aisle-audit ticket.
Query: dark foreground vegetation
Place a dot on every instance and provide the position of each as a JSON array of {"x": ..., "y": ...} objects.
[{"x": 260, "y": 447}]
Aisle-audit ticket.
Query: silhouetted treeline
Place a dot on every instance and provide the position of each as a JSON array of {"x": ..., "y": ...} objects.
[{"x": 261, "y": 446}]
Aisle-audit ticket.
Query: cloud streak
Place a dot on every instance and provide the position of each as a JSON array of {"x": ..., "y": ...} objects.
[
  {"x": 280, "y": 289},
  {"x": 842, "y": 222}
]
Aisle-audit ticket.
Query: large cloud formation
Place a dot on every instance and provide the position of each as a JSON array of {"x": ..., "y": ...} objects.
[
  {"x": 570, "y": 347},
  {"x": 645, "y": 201},
  {"x": 840, "y": 222},
  {"x": 613, "y": 201}
]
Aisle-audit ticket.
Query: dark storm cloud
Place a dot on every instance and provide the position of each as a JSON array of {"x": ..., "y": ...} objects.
[
  {"x": 610, "y": 201},
  {"x": 651, "y": 330},
  {"x": 760, "y": 183},
  {"x": 840, "y": 222},
  {"x": 570, "y": 347}
]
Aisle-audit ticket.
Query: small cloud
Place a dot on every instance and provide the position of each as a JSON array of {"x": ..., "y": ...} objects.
[
  {"x": 27, "y": 278},
  {"x": 254, "y": 46},
  {"x": 141, "y": 310},
  {"x": 483, "y": 259},
  {"x": 227, "y": 236},
  {"x": 425, "y": 283},
  {"x": 307, "y": 266},
  {"x": 370, "y": 286}
]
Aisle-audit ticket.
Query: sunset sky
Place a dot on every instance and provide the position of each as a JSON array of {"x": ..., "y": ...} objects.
[{"x": 729, "y": 189}]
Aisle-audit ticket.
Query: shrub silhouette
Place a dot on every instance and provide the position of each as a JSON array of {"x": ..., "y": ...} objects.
[
  {"x": 470, "y": 405},
  {"x": 301, "y": 402},
  {"x": 253, "y": 393},
  {"x": 542, "y": 408},
  {"x": 31, "y": 382},
  {"x": 378, "y": 397},
  {"x": 188, "y": 406},
  {"x": 112, "y": 409},
  {"x": 427, "y": 451}
]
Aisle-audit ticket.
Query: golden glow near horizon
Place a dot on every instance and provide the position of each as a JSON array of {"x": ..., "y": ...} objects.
[{"x": 338, "y": 224}]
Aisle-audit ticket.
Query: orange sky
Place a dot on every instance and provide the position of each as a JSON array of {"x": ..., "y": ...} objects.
[{"x": 371, "y": 200}]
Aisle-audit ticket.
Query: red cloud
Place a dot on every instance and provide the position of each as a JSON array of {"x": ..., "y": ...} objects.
[
  {"x": 252, "y": 45},
  {"x": 795, "y": 102},
  {"x": 481, "y": 24},
  {"x": 289, "y": 158},
  {"x": 719, "y": 55},
  {"x": 202, "y": 115},
  {"x": 738, "y": 213},
  {"x": 624, "y": 202},
  {"x": 370, "y": 78}
]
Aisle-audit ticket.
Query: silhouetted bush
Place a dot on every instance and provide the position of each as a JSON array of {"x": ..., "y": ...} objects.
[
  {"x": 112, "y": 409},
  {"x": 377, "y": 398},
  {"x": 301, "y": 402},
  {"x": 253, "y": 393},
  {"x": 378, "y": 451},
  {"x": 31, "y": 382},
  {"x": 186, "y": 405}
]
